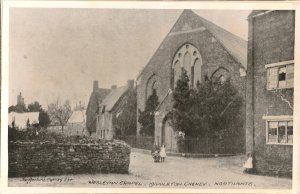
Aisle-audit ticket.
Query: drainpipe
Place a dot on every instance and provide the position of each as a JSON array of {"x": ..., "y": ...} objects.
[{"x": 250, "y": 89}]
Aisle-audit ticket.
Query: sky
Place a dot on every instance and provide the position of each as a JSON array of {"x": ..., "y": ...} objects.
[{"x": 58, "y": 53}]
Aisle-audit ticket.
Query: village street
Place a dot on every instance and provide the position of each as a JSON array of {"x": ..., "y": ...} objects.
[{"x": 175, "y": 172}]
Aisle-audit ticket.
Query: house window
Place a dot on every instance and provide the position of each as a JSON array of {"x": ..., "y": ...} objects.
[
  {"x": 280, "y": 75},
  {"x": 279, "y": 130}
]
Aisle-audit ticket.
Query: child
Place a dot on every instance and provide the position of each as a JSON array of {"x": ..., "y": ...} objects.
[
  {"x": 162, "y": 152},
  {"x": 248, "y": 164}
]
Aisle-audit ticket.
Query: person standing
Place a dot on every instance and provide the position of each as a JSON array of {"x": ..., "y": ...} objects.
[
  {"x": 162, "y": 152},
  {"x": 248, "y": 166}
]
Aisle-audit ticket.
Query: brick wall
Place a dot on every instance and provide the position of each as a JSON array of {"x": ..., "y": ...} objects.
[
  {"x": 45, "y": 158},
  {"x": 271, "y": 40}
]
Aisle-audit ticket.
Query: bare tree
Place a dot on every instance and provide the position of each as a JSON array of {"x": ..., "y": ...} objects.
[{"x": 60, "y": 113}]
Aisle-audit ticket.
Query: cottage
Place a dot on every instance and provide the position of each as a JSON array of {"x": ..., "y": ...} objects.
[
  {"x": 203, "y": 49},
  {"x": 96, "y": 98},
  {"x": 110, "y": 108},
  {"x": 270, "y": 90}
]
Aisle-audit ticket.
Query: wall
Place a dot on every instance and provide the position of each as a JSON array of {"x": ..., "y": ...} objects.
[
  {"x": 45, "y": 158},
  {"x": 70, "y": 129},
  {"x": 271, "y": 40}
]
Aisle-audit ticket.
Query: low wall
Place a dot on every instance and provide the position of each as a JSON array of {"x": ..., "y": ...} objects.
[
  {"x": 45, "y": 158},
  {"x": 138, "y": 141}
]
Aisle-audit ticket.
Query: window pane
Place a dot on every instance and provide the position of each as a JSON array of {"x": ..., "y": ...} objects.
[
  {"x": 187, "y": 64},
  {"x": 290, "y": 76},
  {"x": 281, "y": 132},
  {"x": 272, "y": 132},
  {"x": 177, "y": 72},
  {"x": 290, "y": 131},
  {"x": 197, "y": 71},
  {"x": 282, "y": 77},
  {"x": 272, "y": 77}
]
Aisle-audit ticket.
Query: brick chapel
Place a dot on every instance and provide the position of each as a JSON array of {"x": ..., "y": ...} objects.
[{"x": 203, "y": 49}]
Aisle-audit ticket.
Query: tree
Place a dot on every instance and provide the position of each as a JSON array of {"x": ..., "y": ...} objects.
[
  {"x": 211, "y": 110},
  {"x": 44, "y": 119},
  {"x": 34, "y": 107},
  {"x": 125, "y": 119},
  {"x": 181, "y": 118},
  {"x": 19, "y": 108},
  {"x": 146, "y": 117},
  {"x": 60, "y": 113}
]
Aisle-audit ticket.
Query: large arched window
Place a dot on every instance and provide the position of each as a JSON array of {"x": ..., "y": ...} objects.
[{"x": 189, "y": 58}]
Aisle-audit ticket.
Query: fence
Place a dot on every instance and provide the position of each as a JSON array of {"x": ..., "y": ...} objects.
[
  {"x": 210, "y": 146},
  {"x": 137, "y": 141},
  {"x": 190, "y": 145}
]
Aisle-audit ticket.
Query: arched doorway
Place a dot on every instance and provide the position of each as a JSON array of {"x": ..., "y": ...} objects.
[{"x": 168, "y": 136}]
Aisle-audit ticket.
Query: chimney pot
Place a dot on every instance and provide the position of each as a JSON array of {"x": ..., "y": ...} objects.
[
  {"x": 130, "y": 83},
  {"x": 95, "y": 85},
  {"x": 114, "y": 87}
]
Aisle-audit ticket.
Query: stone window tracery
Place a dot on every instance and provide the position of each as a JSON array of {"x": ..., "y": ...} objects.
[{"x": 187, "y": 57}]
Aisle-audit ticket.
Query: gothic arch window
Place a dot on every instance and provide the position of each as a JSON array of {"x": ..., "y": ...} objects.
[
  {"x": 152, "y": 83},
  {"x": 186, "y": 58},
  {"x": 220, "y": 75},
  {"x": 197, "y": 71}
]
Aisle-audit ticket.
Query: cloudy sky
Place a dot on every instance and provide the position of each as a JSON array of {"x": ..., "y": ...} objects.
[{"x": 57, "y": 53}]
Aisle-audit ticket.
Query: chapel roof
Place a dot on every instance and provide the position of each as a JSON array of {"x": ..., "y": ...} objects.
[{"x": 235, "y": 45}]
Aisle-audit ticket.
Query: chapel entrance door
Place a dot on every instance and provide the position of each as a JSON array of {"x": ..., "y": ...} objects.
[{"x": 168, "y": 136}]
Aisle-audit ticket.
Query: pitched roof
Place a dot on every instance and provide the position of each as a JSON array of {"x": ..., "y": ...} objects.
[
  {"x": 235, "y": 45},
  {"x": 20, "y": 119},
  {"x": 113, "y": 97},
  {"x": 101, "y": 93},
  {"x": 77, "y": 117},
  {"x": 256, "y": 12}
]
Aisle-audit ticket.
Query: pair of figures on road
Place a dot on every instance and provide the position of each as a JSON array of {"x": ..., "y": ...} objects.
[{"x": 159, "y": 153}]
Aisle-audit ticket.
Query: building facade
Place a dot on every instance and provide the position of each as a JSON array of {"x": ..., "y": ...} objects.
[
  {"x": 269, "y": 95},
  {"x": 111, "y": 107},
  {"x": 203, "y": 49},
  {"x": 96, "y": 98}
]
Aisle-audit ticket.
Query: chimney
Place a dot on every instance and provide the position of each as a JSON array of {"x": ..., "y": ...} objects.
[
  {"x": 95, "y": 85},
  {"x": 114, "y": 87},
  {"x": 130, "y": 83}
]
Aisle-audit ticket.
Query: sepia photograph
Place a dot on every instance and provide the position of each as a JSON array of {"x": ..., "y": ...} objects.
[{"x": 150, "y": 98}]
